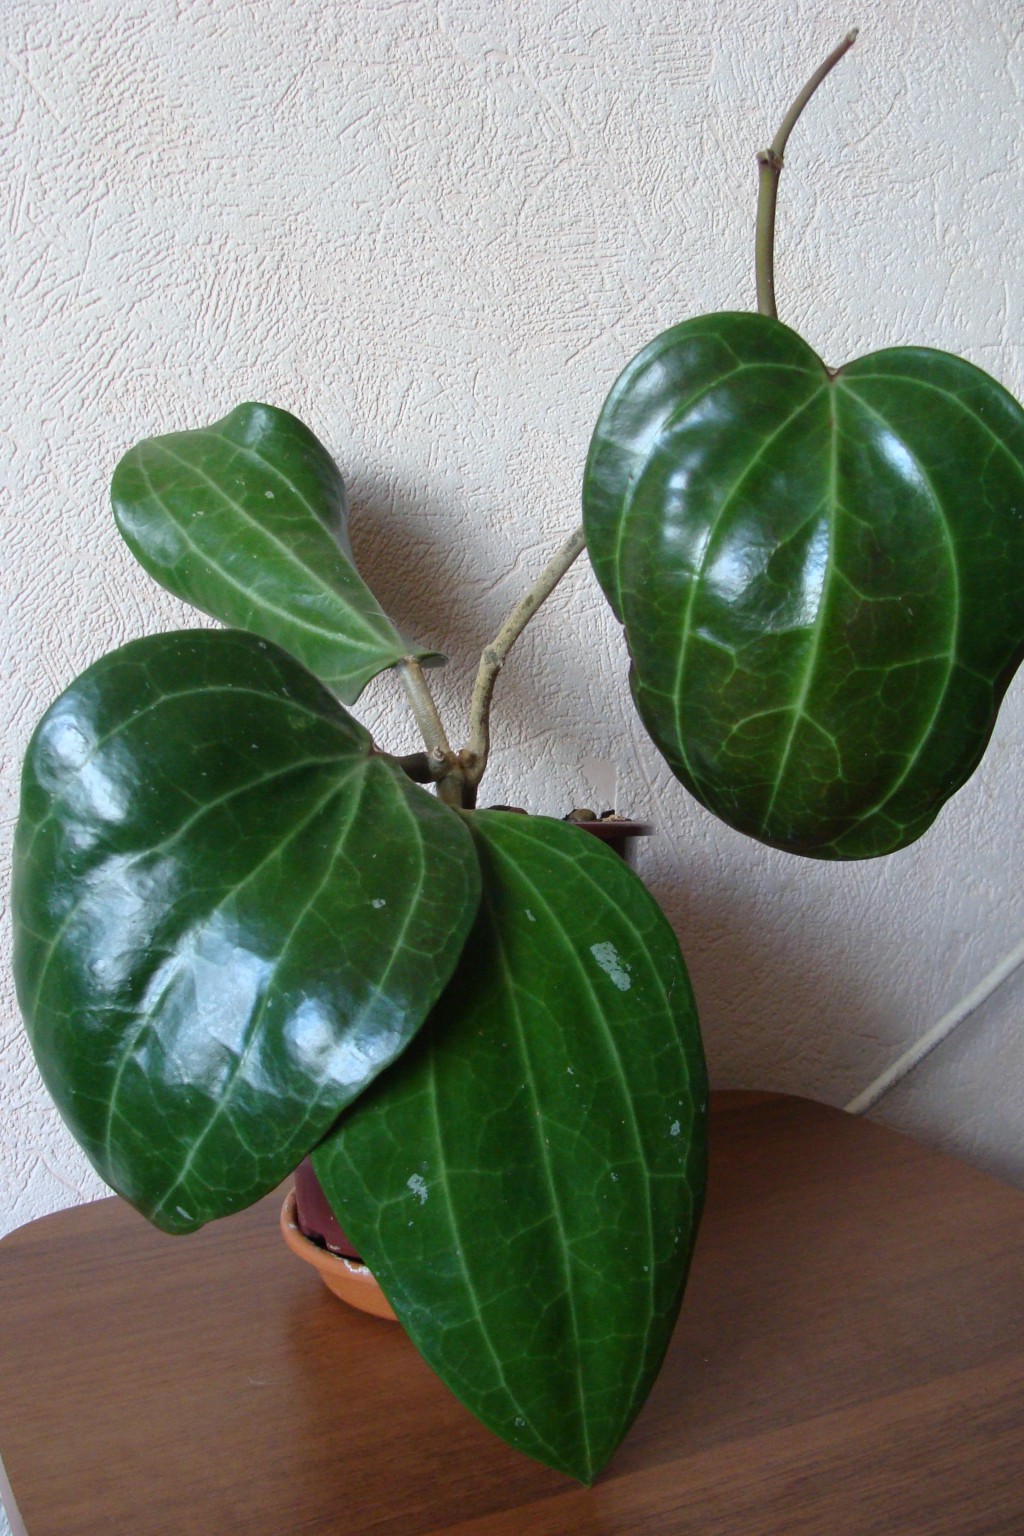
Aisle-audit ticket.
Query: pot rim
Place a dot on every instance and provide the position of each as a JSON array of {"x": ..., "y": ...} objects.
[{"x": 349, "y": 1279}]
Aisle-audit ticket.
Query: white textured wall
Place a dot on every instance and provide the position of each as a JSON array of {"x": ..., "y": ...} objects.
[{"x": 436, "y": 232}]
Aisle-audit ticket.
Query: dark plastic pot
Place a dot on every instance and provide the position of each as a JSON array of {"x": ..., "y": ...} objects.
[
  {"x": 617, "y": 832},
  {"x": 314, "y": 1216}
]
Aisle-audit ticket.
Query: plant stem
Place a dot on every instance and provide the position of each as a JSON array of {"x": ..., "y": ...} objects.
[
  {"x": 419, "y": 766},
  {"x": 445, "y": 765},
  {"x": 770, "y": 167},
  {"x": 424, "y": 709},
  {"x": 474, "y": 758}
]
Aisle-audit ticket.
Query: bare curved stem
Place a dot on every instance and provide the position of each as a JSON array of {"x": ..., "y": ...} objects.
[
  {"x": 769, "y": 169},
  {"x": 445, "y": 766},
  {"x": 457, "y": 774},
  {"x": 474, "y": 758},
  {"x": 424, "y": 710}
]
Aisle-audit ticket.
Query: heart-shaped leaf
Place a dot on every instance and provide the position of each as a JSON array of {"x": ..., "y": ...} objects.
[
  {"x": 526, "y": 1182},
  {"x": 229, "y": 916},
  {"x": 819, "y": 574},
  {"x": 246, "y": 520}
]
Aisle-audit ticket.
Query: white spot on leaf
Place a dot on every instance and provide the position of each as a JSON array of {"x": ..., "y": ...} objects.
[
  {"x": 615, "y": 969},
  {"x": 418, "y": 1185},
  {"x": 674, "y": 1128},
  {"x": 378, "y": 902}
]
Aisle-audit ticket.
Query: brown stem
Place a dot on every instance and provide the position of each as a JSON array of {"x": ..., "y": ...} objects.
[
  {"x": 474, "y": 758},
  {"x": 769, "y": 169}
]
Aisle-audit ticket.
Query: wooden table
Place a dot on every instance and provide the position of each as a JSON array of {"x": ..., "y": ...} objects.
[{"x": 850, "y": 1359}]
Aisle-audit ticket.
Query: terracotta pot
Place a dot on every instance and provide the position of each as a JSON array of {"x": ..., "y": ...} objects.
[{"x": 348, "y": 1279}]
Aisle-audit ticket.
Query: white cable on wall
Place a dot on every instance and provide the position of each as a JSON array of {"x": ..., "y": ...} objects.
[{"x": 950, "y": 1021}]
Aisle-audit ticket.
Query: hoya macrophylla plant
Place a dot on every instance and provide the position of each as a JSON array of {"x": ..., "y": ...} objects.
[{"x": 246, "y": 933}]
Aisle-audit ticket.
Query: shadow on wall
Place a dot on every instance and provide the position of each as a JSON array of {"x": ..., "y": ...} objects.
[
  {"x": 764, "y": 967},
  {"x": 443, "y": 593},
  {"x": 420, "y": 579}
]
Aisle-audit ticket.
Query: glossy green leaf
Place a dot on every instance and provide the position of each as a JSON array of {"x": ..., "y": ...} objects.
[
  {"x": 819, "y": 574},
  {"x": 229, "y": 916},
  {"x": 246, "y": 519},
  {"x": 526, "y": 1182}
]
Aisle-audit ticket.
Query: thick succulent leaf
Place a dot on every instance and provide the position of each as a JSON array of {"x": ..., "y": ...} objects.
[
  {"x": 229, "y": 916},
  {"x": 819, "y": 573},
  {"x": 526, "y": 1182},
  {"x": 246, "y": 519}
]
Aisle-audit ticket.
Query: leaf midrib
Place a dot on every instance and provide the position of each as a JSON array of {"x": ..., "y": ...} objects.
[
  {"x": 686, "y": 629},
  {"x": 227, "y": 895},
  {"x": 672, "y": 419},
  {"x": 253, "y": 1031},
  {"x": 449, "y": 1206},
  {"x": 798, "y": 707},
  {"x": 616, "y": 1059},
  {"x": 382, "y": 639},
  {"x": 537, "y": 1123}
]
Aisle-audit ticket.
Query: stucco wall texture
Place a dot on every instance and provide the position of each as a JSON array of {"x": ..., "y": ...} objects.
[{"x": 437, "y": 231}]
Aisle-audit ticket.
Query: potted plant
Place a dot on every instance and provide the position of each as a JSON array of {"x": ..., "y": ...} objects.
[{"x": 245, "y": 933}]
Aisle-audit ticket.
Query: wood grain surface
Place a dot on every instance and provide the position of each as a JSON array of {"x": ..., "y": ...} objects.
[{"x": 850, "y": 1359}]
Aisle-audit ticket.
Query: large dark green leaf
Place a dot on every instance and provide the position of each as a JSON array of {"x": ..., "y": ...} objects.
[
  {"x": 820, "y": 574},
  {"x": 526, "y": 1182},
  {"x": 229, "y": 916},
  {"x": 246, "y": 519}
]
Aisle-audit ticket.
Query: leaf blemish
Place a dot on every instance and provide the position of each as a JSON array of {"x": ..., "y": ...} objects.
[
  {"x": 378, "y": 902},
  {"x": 418, "y": 1185},
  {"x": 674, "y": 1128},
  {"x": 615, "y": 969}
]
